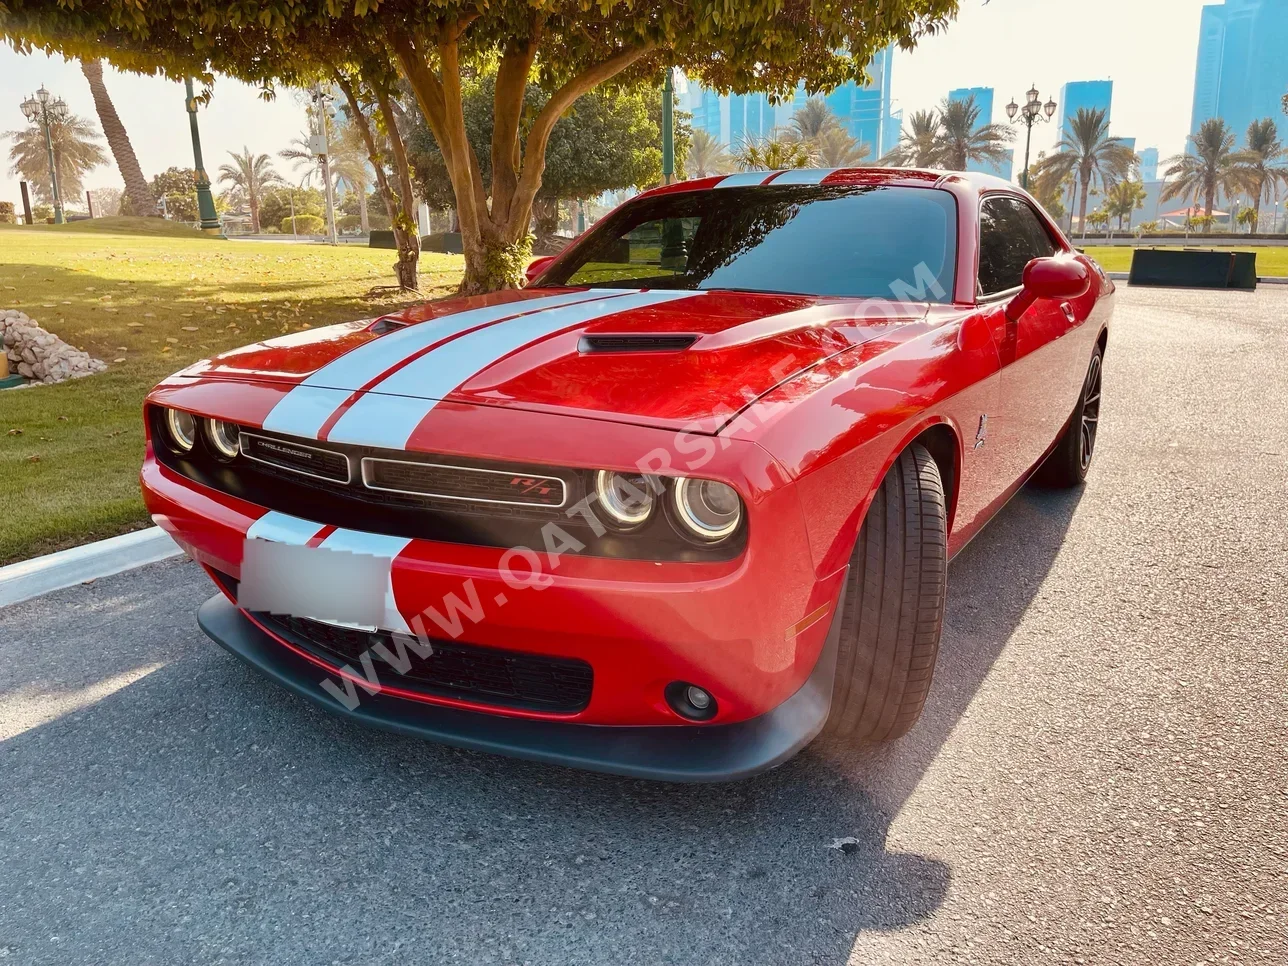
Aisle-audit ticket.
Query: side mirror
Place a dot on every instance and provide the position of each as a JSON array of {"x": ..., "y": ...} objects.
[
  {"x": 537, "y": 266},
  {"x": 1059, "y": 277}
]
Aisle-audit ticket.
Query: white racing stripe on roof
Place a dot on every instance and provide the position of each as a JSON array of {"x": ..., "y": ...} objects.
[
  {"x": 306, "y": 408},
  {"x": 803, "y": 176},
  {"x": 388, "y": 415},
  {"x": 744, "y": 179}
]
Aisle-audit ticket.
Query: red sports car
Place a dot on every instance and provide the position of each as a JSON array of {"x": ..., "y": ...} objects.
[{"x": 674, "y": 509}]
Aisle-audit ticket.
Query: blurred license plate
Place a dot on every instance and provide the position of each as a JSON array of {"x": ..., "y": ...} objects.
[{"x": 335, "y": 586}]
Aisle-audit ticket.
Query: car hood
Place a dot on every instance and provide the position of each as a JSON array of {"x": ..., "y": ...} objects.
[{"x": 660, "y": 358}]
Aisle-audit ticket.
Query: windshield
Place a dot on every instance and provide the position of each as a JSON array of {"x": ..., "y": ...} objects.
[{"x": 854, "y": 242}]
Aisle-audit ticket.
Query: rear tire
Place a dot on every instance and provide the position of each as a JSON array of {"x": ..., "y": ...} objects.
[
  {"x": 894, "y": 606},
  {"x": 1069, "y": 462}
]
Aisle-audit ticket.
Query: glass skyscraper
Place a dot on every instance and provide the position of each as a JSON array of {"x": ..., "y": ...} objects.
[
  {"x": 1242, "y": 69},
  {"x": 1097, "y": 95},
  {"x": 863, "y": 111},
  {"x": 984, "y": 101}
]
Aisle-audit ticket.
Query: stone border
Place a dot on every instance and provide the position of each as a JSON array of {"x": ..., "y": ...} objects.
[{"x": 42, "y": 575}]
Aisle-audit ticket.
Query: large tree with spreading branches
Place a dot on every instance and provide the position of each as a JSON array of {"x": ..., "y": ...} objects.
[{"x": 568, "y": 47}]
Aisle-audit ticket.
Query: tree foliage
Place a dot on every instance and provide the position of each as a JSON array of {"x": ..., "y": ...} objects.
[
  {"x": 961, "y": 137},
  {"x": 774, "y": 152},
  {"x": 1096, "y": 160},
  {"x": 571, "y": 46},
  {"x": 1264, "y": 165},
  {"x": 248, "y": 176},
  {"x": 1212, "y": 167},
  {"x": 707, "y": 156},
  {"x": 611, "y": 139}
]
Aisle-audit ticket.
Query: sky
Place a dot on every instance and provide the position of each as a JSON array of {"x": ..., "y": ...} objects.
[{"x": 1147, "y": 47}]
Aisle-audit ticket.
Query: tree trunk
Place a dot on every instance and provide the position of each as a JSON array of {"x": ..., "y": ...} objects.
[
  {"x": 1209, "y": 202},
  {"x": 1082, "y": 203},
  {"x": 138, "y": 199},
  {"x": 252, "y": 198},
  {"x": 1256, "y": 208},
  {"x": 363, "y": 224},
  {"x": 494, "y": 223},
  {"x": 406, "y": 235}
]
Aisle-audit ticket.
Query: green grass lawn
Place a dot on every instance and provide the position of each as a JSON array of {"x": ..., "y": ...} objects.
[
  {"x": 1112, "y": 258},
  {"x": 148, "y": 297}
]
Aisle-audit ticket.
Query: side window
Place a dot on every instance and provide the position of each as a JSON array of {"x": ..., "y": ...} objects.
[
  {"x": 651, "y": 251},
  {"x": 1010, "y": 236}
]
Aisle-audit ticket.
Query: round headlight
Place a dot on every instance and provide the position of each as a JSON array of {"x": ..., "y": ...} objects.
[
  {"x": 707, "y": 509},
  {"x": 223, "y": 438},
  {"x": 626, "y": 499},
  {"x": 182, "y": 429}
]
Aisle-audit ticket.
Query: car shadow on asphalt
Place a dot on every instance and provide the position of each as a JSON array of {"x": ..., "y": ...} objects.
[{"x": 201, "y": 812}]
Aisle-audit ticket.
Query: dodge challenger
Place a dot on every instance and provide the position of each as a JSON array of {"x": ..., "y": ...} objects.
[{"x": 678, "y": 507}]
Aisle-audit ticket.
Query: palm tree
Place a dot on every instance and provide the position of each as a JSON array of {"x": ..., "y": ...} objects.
[
  {"x": 1123, "y": 200},
  {"x": 813, "y": 120},
  {"x": 76, "y": 152},
  {"x": 836, "y": 149},
  {"x": 962, "y": 139},
  {"x": 772, "y": 154},
  {"x": 707, "y": 156},
  {"x": 1091, "y": 155},
  {"x": 249, "y": 174},
  {"x": 1212, "y": 167},
  {"x": 300, "y": 153},
  {"x": 918, "y": 145},
  {"x": 1263, "y": 165},
  {"x": 138, "y": 199}
]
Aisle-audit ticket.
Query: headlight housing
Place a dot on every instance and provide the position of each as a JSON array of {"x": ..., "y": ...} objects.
[
  {"x": 626, "y": 500},
  {"x": 706, "y": 510},
  {"x": 224, "y": 439},
  {"x": 181, "y": 427}
]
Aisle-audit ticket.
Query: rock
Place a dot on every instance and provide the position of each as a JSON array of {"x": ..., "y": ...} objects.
[
  {"x": 24, "y": 370},
  {"x": 41, "y": 355}
]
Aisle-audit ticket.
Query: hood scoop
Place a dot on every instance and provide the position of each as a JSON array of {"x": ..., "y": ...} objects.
[{"x": 636, "y": 342}]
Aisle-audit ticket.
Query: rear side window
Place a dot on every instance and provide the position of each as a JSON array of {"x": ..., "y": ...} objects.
[{"x": 1010, "y": 236}]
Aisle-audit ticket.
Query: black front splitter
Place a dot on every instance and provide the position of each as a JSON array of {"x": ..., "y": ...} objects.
[{"x": 688, "y": 753}]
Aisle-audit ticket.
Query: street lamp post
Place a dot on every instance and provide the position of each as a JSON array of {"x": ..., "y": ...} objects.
[
  {"x": 39, "y": 110},
  {"x": 1031, "y": 113},
  {"x": 321, "y": 115},
  {"x": 205, "y": 200},
  {"x": 668, "y": 128}
]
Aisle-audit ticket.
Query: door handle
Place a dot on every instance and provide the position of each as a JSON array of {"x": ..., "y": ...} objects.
[{"x": 1069, "y": 313}]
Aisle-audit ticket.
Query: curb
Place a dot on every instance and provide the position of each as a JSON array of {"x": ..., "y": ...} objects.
[{"x": 32, "y": 578}]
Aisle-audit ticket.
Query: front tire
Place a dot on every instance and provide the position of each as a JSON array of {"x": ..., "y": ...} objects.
[
  {"x": 1069, "y": 462},
  {"x": 894, "y": 606}
]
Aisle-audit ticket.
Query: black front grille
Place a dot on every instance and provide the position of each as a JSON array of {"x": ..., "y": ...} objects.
[
  {"x": 314, "y": 461},
  {"x": 464, "y": 483},
  {"x": 486, "y": 675}
]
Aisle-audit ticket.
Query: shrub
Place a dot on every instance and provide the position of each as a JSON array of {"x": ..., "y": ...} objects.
[
  {"x": 348, "y": 222},
  {"x": 304, "y": 225},
  {"x": 7, "y": 215}
]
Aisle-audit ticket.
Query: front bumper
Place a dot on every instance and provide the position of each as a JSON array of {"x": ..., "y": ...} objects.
[{"x": 687, "y": 753}]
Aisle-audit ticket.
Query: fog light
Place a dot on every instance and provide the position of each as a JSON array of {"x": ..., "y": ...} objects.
[
  {"x": 698, "y": 698},
  {"x": 690, "y": 701}
]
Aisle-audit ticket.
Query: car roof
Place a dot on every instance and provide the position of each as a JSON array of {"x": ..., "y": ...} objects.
[{"x": 965, "y": 181}]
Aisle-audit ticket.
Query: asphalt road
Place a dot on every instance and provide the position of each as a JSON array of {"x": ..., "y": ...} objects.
[{"x": 1100, "y": 777}]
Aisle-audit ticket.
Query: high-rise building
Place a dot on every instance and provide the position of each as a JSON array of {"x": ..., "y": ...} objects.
[
  {"x": 1242, "y": 70},
  {"x": 1149, "y": 164},
  {"x": 984, "y": 101},
  {"x": 1095, "y": 95},
  {"x": 864, "y": 111}
]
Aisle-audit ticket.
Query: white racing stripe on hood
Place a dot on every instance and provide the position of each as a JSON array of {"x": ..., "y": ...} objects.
[
  {"x": 306, "y": 408},
  {"x": 382, "y": 419}
]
